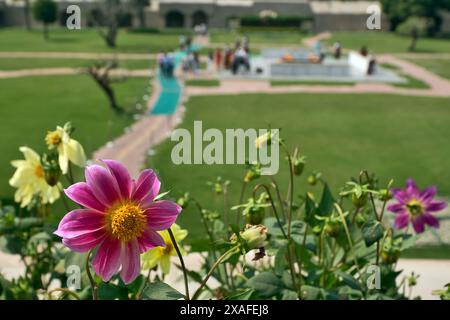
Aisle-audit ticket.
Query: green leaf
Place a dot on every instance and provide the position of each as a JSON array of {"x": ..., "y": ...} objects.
[
  {"x": 310, "y": 293},
  {"x": 161, "y": 291},
  {"x": 326, "y": 202},
  {"x": 289, "y": 295},
  {"x": 298, "y": 229},
  {"x": 372, "y": 231},
  {"x": 245, "y": 295},
  {"x": 310, "y": 210},
  {"x": 11, "y": 244},
  {"x": 349, "y": 280},
  {"x": 266, "y": 284},
  {"x": 109, "y": 291}
]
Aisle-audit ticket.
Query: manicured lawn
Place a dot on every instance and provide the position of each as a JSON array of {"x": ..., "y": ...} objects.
[
  {"x": 275, "y": 83},
  {"x": 384, "y": 42},
  {"x": 84, "y": 40},
  {"x": 412, "y": 83},
  {"x": 394, "y": 136},
  {"x": 202, "y": 83},
  {"x": 21, "y": 63},
  {"x": 268, "y": 37},
  {"x": 31, "y": 106},
  {"x": 438, "y": 66}
]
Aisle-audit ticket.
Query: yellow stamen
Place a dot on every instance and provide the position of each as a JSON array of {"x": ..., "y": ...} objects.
[
  {"x": 415, "y": 207},
  {"x": 38, "y": 171},
  {"x": 126, "y": 221},
  {"x": 167, "y": 250},
  {"x": 53, "y": 138}
]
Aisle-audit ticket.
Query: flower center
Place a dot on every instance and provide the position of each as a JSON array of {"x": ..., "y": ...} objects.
[
  {"x": 53, "y": 138},
  {"x": 167, "y": 250},
  {"x": 38, "y": 171},
  {"x": 415, "y": 207},
  {"x": 127, "y": 221}
]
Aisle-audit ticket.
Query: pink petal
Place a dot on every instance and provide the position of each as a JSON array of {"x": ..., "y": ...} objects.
[
  {"x": 418, "y": 224},
  {"x": 428, "y": 194},
  {"x": 162, "y": 214},
  {"x": 106, "y": 262},
  {"x": 397, "y": 207},
  {"x": 401, "y": 221},
  {"x": 411, "y": 188},
  {"x": 131, "y": 262},
  {"x": 431, "y": 220},
  {"x": 146, "y": 188},
  {"x": 122, "y": 177},
  {"x": 82, "y": 194},
  {"x": 79, "y": 222},
  {"x": 103, "y": 184},
  {"x": 85, "y": 242},
  {"x": 149, "y": 240},
  {"x": 400, "y": 195},
  {"x": 436, "y": 206}
]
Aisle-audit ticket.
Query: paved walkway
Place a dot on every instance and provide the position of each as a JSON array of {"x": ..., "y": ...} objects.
[
  {"x": 69, "y": 71},
  {"x": 77, "y": 55}
]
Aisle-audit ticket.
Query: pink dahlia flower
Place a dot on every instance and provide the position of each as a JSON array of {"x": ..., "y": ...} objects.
[
  {"x": 121, "y": 218},
  {"x": 415, "y": 206}
]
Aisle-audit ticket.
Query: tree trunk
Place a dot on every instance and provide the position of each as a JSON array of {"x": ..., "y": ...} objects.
[
  {"x": 141, "y": 15},
  {"x": 112, "y": 99},
  {"x": 26, "y": 12},
  {"x": 46, "y": 31}
]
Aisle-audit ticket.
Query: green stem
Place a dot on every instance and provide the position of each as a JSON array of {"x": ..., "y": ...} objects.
[
  {"x": 210, "y": 272},
  {"x": 349, "y": 239},
  {"x": 64, "y": 290},
  {"x": 175, "y": 245},
  {"x": 280, "y": 200},
  {"x": 91, "y": 279},
  {"x": 241, "y": 198}
]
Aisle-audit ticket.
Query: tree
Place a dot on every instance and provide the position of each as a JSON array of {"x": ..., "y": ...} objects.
[
  {"x": 45, "y": 11},
  {"x": 399, "y": 11},
  {"x": 108, "y": 24},
  {"x": 140, "y": 6},
  {"x": 101, "y": 72}
]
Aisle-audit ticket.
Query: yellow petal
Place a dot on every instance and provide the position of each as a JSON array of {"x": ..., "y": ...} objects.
[
  {"x": 165, "y": 264},
  {"x": 151, "y": 258},
  {"x": 75, "y": 153},
  {"x": 30, "y": 155}
]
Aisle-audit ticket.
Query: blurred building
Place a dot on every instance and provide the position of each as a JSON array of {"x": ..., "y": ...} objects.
[{"x": 323, "y": 15}]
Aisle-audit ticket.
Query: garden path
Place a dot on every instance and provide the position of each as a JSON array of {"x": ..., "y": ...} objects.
[{"x": 69, "y": 71}]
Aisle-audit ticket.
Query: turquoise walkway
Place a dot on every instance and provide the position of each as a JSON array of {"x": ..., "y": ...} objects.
[{"x": 170, "y": 95}]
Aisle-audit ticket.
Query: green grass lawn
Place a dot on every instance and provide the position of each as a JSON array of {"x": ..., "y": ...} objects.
[
  {"x": 275, "y": 83},
  {"x": 36, "y": 63},
  {"x": 394, "y": 136},
  {"x": 30, "y": 107},
  {"x": 258, "y": 37},
  {"x": 202, "y": 83},
  {"x": 440, "y": 67},
  {"x": 84, "y": 40},
  {"x": 384, "y": 42}
]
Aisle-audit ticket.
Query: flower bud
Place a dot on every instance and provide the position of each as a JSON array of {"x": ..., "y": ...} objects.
[
  {"x": 255, "y": 236},
  {"x": 332, "y": 228},
  {"x": 312, "y": 180},
  {"x": 385, "y": 195},
  {"x": 299, "y": 165},
  {"x": 52, "y": 171},
  {"x": 360, "y": 201},
  {"x": 255, "y": 216}
]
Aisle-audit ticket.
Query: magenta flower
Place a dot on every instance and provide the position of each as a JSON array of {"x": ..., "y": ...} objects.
[
  {"x": 121, "y": 218},
  {"x": 415, "y": 206}
]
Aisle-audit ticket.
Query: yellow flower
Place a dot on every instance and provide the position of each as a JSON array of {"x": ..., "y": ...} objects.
[
  {"x": 160, "y": 255},
  {"x": 68, "y": 148},
  {"x": 29, "y": 180}
]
